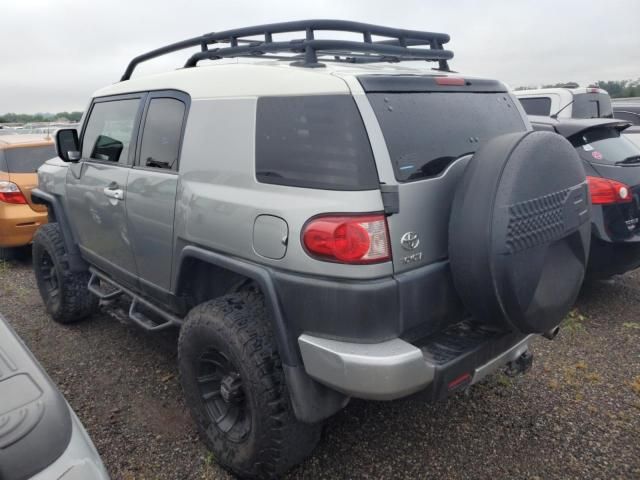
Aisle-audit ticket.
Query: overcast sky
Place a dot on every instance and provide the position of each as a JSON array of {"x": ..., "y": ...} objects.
[{"x": 55, "y": 53}]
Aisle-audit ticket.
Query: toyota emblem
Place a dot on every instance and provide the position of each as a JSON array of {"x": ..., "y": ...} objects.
[{"x": 410, "y": 241}]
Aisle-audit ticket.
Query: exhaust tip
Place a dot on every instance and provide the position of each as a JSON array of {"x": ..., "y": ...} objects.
[{"x": 551, "y": 334}]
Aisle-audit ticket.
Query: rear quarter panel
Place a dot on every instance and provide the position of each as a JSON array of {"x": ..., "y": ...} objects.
[{"x": 219, "y": 197}]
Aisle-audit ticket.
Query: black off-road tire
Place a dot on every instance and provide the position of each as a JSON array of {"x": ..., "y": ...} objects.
[
  {"x": 63, "y": 292},
  {"x": 235, "y": 327}
]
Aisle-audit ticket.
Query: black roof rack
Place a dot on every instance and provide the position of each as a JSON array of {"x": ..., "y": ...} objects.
[{"x": 398, "y": 45}]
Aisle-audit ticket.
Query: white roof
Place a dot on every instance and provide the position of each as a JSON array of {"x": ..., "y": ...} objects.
[
  {"x": 258, "y": 78},
  {"x": 558, "y": 90}
]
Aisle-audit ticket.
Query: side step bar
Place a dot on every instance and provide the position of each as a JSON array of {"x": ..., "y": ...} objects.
[{"x": 135, "y": 315}]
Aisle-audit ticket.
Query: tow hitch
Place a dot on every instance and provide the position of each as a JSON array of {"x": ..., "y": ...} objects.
[{"x": 520, "y": 365}]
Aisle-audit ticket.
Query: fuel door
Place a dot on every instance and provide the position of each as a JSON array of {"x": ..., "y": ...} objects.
[{"x": 270, "y": 236}]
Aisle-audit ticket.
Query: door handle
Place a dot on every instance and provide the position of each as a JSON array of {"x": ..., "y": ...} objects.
[{"x": 115, "y": 193}]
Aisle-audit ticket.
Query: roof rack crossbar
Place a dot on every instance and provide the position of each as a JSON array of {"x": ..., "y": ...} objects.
[
  {"x": 397, "y": 46},
  {"x": 310, "y": 47}
]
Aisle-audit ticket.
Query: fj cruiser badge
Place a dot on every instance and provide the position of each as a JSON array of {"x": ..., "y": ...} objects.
[{"x": 410, "y": 241}]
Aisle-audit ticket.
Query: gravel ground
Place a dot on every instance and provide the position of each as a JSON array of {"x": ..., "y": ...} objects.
[{"x": 576, "y": 414}]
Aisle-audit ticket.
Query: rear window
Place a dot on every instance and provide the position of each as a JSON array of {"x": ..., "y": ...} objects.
[
  {"x": 25, "y": 159},
  {"x": 536, "y": 106},
  {"x": 605, "y": 145},
  {"x": 313, "y": 142},
  {"x": 592, "y": 105},
  {"x": 425, "y": 132}
]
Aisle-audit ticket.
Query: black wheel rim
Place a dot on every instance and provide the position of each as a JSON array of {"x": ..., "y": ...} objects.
[
  {"x": 223, "y": 395},
  {"x": 49, "y": 275}
]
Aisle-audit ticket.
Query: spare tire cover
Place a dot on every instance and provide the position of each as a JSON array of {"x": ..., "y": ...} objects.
[{"x": 519, "y": 231}]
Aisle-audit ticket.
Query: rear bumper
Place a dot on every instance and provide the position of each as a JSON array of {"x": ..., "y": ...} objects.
[
  {"x": 18, "y": 223},
  {"x": 612, "y": 258},
  {"x": 395, "y": 368}
]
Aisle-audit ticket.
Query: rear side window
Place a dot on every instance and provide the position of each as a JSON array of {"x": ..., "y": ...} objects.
[
  {"x": 313, "y": 142},
  {"x": 109, "y": 130},
  {"x": 536, "y": 106},
  {"x": 162, "y": 131},
  {"x": 425, "y": 132},
  {"x": 592, "y": 105},
  {"x": 605, "y": 145},
  {"x": 26, "y": 159}
]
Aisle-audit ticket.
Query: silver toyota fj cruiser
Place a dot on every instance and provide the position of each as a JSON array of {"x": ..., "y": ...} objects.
[{"x": 321, "y": 219}]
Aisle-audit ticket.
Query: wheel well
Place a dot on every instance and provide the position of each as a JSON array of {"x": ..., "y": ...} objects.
[{"x": 200, "y": 281}]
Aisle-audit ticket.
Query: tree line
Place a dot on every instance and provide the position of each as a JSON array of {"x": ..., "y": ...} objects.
[
  {"x": 40, "y": 117},
  {"x": 616, "y": 88}
]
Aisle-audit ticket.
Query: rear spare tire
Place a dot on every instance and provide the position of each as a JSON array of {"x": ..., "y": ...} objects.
[{"x": 519, "y": 231}]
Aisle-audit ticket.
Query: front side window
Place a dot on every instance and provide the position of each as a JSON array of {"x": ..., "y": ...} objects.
[
  {"x": 109, "y": 131},
  {"x": 313, "y": 142},
  {"x": 162, "y": 132}
]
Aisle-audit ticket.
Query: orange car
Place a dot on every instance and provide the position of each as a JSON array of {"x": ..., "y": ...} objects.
[{"x": 20, "y": 157}]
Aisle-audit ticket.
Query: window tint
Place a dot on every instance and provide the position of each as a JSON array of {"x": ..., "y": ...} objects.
[
  {"x": 27, "y": 159},
  {"x": 162, "y": 132},
  {"x": 536, "y": 106},
  {"x": 592, "y": 105},
  {"x": 605, "y": 145},
  {"x": 425, "y": 132},
  {"x": 313, "y": 142},
  {"x": 109, "y": 130}
]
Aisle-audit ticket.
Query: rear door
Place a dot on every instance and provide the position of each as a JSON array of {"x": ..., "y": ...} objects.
[
  {"x": 431, "y": 130},
  {"x": 152, "y": 185},
  {"x": 96, "y": 186}
]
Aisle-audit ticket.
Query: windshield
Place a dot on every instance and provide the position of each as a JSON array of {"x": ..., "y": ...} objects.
[
  {"x": 26, "y": 159},
  {"x": 425, "y": 132},
  {"x": 605, "y": 145}
]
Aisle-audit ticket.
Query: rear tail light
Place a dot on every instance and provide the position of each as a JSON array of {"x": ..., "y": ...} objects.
[
  {"x": 348, "y": 239},
  {"x": 10, "y": 193},
  {"x": 605, "y": 191}
]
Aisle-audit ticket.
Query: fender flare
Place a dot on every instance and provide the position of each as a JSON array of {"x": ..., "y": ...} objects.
[
  {"x": 311, "y": 401},
  {"x": 76, "y": 262},
  {"x": 287, "y": 346}
]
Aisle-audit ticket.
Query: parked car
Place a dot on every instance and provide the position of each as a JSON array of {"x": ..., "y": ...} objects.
[
  {"x": 20, "y": 157},
  {"x": 570, "y": 102},
  {"x": 612, "y": 165},
  {"x": 41, "y": 438},
  {"x": 323, "y": 224},
  {"x": 628, "y": 109}
]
